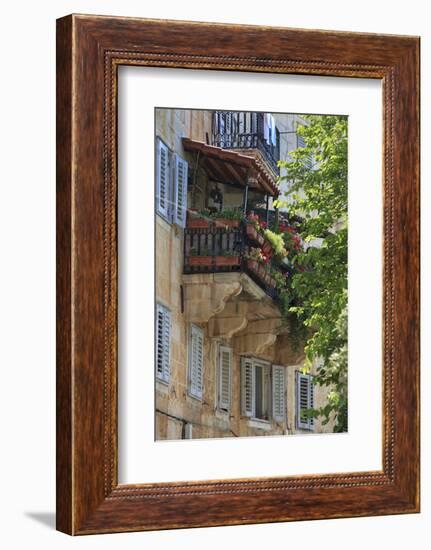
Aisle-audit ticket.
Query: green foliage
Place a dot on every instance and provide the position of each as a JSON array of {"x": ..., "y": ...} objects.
[
  {"x": 255, "y": 253},
  {"x": 318, "y": 290},
  {"x": 276, "y": 241},
  {"x": 228, "y": 214}
]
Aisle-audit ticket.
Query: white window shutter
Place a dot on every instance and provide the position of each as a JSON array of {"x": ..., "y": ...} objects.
[
  {"x": 247, "y": 387},
  {"x": 163, "y": 342},
  {"x": 304, "y": 400},
  {"x": 300, "y": 141},
  {"x": 278, "y": 392},
  {"x": 224, "y": 371},
  {"x": 311, "y": 400},
  {"x": 180, "y": 191},
  {"x": 162, "y": 179},
  {"x": 196, "y": 361}
]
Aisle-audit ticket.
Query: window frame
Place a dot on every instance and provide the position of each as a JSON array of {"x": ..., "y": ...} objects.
[{"x": 266, "y": 367}]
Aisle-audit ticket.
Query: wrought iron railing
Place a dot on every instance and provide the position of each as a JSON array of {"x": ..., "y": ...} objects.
[
  {"x": 246, "y": 130},
  {"x": 216, "y": 248}
]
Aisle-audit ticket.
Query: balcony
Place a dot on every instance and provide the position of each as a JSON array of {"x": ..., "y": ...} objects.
[
  {"x": 223, "y": 246},
  {"x": 247, "y": 131}
]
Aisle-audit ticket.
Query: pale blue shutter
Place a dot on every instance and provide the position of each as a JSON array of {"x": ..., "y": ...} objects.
[
  {"x": 180, "y": 191},
  {"x": 278, "y": 392},
  {"x": 163, "y": 342},
  {"x": 300, "y": 142},
  {"x": 247, "y": 387},
  {"x": 311, "y": 401},
  {"x": 224, "y": 373},
  {"x": 162, "y": 179},
  {"x": 304, "y": 400},
  {"x": 196, "y": 361}
]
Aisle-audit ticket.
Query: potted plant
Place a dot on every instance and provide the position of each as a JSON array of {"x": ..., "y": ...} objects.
[
  {"x": 228, "y": 217},
  {"x": 253, "y": 229},
  {"x": 275, "y": 244},
  {"x": 253, "y": 257},
  {"x": 198, "y": 220},
  {"x": 254, "y": 235}
]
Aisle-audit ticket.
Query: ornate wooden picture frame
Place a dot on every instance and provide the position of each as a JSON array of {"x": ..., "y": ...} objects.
[{"x": 89, "y": 51}]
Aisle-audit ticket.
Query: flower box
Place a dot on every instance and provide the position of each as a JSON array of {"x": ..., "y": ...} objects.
[
  {"x": 267, "y": 248},
  {"x": 254, "y": 235},
  {"x": 200, "y": 260},
  {"x": 261, "y": 272},
  {"x": 227, "y": 261},
  {"x": 222, "y": 222},
  {"x": 252, "y": 265},
  {"x": 271, "y": 282},
  {"x": 217, "y": 261},
  {"x": 198, "y": 223}
]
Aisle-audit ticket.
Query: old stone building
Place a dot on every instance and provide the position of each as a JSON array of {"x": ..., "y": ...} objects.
[{"x": 225, "y": 363}]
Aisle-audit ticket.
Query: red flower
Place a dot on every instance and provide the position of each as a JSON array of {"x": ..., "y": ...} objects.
[{"x": 265, "y": 259}]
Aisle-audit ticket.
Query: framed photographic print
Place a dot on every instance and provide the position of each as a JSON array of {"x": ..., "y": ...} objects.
[{"x": 237, "y": 274}]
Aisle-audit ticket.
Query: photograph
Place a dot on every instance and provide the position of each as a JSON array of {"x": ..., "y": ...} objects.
[{"x": 251, "y": 273}]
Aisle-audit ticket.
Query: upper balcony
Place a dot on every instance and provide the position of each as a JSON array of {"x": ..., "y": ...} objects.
[{"x": 249, "y": 132}]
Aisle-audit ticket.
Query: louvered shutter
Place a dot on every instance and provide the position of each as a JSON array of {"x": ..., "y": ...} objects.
[
  {"x": 247, "y": 387},
  {"x": 163, "y": 342},
  {"x": 180, "y": 191},
  {"x": 311, "y": 400},
  {"x": 162, "y": 179},
  {"x": 301, "y": 143},
  {"x": 225, "y": 366},
  {"x": 304, "y": 400},
  {"x": 196, "y": 361},
  {"x": 278, "y": 392}
]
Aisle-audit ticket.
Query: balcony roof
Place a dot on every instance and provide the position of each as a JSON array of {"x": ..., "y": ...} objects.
[{"x": 234, "y": 168}]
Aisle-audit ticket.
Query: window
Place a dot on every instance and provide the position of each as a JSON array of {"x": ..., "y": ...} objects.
[
  {"x": 171, "y": 185},
  {"x": 224, "y": 377},
  {"x": 196, "y": 362},
  {"x": 304, "y": 400},
  {"x": 163, "y": 343},
  {"x": 255, "y": 388}
]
